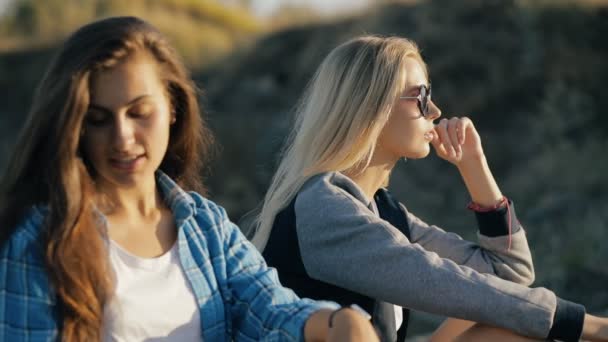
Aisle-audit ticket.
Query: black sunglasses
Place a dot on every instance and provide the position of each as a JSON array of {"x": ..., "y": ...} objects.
[{"x": 423, "y": 99}]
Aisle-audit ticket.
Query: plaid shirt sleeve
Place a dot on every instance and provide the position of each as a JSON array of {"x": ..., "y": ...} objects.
[
  {"x": 261, "y": 308},
  {"x": 27, "y": 306}
]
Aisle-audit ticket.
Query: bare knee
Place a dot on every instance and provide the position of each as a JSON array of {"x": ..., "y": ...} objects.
[
  {"x": 481, "y": 332},
  {"x": 451, "y": 328}
]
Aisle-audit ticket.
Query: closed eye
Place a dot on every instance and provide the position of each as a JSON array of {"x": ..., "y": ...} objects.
[
  {"x": 141, "y": 110},
  {"x": 139, "y": 115}
]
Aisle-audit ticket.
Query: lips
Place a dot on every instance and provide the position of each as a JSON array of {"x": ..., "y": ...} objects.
[
  {"x": 429, "y": 135},
  {"x": 128, "y": 163}
]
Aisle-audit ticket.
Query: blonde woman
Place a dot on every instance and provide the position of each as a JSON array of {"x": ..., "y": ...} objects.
[{"x": 333, "y": 232}]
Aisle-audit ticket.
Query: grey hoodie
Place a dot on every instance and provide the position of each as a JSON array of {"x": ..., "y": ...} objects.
[{"x": 345, "y": 243}]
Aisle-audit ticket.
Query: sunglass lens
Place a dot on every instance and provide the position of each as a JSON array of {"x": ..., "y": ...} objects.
[{"x": 424, "y": 103}]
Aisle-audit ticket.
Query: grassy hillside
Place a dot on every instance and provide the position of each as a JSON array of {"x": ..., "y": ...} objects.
[{"x": 202, "y": 30}]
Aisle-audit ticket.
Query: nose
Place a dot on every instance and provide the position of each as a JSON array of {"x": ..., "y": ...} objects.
[
  {"x": 123, "y": 134},
  {"x": 434, "y": 111}
]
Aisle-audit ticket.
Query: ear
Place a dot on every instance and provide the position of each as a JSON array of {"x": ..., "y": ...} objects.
[{"x": 173, "y": 117}]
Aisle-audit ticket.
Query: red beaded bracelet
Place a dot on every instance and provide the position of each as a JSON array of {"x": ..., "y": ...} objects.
[
  {"x": 504, "y": 202},
  {"x": 482, "y": 209}
]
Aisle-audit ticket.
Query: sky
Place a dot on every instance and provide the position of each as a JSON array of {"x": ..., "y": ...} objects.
[
  {"x": 266, "y": 7},
  {"x": 3, "y": 4}
]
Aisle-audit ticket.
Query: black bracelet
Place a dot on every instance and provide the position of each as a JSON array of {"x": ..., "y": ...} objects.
[{"x": 331, "y": 316}]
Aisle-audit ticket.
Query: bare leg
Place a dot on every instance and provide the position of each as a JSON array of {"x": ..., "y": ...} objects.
[
  {"x": 481, "y": 332},
  {"x": 456, "y": 330},
  {"x": 451, "y": 328}
]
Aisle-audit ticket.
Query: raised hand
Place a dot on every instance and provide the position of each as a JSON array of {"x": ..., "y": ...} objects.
[{"x": 456, "y": 140}]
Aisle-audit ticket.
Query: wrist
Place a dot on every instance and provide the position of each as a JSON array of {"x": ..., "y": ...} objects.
[
  {"x": 471, "y": 160},
  {"x": 488, "y": 206}
]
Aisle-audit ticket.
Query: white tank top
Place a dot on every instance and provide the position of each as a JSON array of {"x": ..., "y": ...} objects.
[{"x": 152, "y": 299}]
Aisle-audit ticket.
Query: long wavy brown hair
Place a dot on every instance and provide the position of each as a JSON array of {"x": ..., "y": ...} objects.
[{"x": 48, "y": 168}]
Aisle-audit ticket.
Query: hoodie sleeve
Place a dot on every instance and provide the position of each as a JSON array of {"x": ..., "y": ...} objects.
[{"x": 498, "y": 251}]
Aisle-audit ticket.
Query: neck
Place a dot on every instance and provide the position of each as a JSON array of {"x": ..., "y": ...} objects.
[
  {"x": 374, "y": 176},
  {"x": 141, "y": 200}
]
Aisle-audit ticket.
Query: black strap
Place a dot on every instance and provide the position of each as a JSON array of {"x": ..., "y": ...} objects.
[{"x": 390, "y": 210}]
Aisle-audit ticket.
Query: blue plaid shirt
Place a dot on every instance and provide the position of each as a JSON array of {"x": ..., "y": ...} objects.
[{"x": 239, "y": 297}]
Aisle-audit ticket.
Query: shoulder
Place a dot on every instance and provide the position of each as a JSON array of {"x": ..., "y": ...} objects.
[
  {"x": 206, "y": 208},
  {"x": 214, "y": 226},
  {"x": 328, "y": 183},
  {"x": 185, "y": 204},
  {"x": 25, "y": 243},
  {"x": 330, "y": 187},
  {"x": 23, "y": 268},
  {"x": 330, "y": 200},
  {"x": 211, "y": 219}
]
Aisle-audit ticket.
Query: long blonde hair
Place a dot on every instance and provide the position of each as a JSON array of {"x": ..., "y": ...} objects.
[
  {"x": 48, "y": 168},
  {"x": 339, "y": 118}
]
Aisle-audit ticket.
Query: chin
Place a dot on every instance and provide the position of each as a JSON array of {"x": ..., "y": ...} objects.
[{"x": 423, "y": 153}]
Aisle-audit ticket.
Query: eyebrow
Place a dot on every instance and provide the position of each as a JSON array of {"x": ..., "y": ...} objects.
[
  {"x": 416, "y": 86},
  {"x": 411, "y": 88},
  {"x": 107, "y": 110}
]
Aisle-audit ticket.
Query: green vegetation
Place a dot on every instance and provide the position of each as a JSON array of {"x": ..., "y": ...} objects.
[{"x": 203, "y": 30}]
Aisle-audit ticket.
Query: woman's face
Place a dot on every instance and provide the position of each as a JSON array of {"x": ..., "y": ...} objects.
[
  {"x": 407, "y": 133},
  {"x": 126, "y": 128}
]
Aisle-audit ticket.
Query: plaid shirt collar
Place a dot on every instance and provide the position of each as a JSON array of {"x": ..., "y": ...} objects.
[{"x": 181, "y": 203}]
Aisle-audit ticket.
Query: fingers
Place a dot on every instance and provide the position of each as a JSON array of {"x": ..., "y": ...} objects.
[
  {"x": 436, "y": 142},
  {"x": 453, "y": 131},
  {"x": 442, "y": 137},
  {"x": 447, "y": 131},
  {"x": 461, "y": 129},
  {"x": 456, "y": 139}
]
